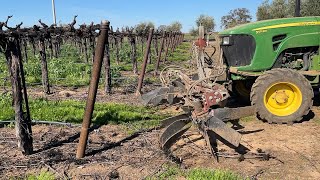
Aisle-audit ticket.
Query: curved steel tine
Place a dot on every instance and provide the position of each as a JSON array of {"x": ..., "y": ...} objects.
[
  {"x": 173, "y": 133},
  {"x": 170, "y": 120}
]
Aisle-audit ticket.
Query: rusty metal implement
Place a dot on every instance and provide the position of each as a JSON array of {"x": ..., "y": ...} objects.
[
  {"x": 203, "y": 100},
  {"x": 173, "y": 132},
  {"x": 219, "y": 127}
]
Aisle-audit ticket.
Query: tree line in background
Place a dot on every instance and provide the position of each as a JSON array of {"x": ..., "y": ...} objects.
[
  {"x": 267, "y": 10},
  {"x": 175, "y": 26},
  {"x": 286, "y": 9}
]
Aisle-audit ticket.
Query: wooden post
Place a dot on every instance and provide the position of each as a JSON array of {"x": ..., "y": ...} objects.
[
  {"x": 107, "y": 66},
  {"x": 144, "y": 65},
  {"x": 25, "y": 50},
  {"x": 86, "y": 50},
  {"x": 23, "y": 123},
  {"x": 172, "y": 42},
  {"x": 55, "y": 47},
  {"x": 134, "y": 54},
  {"x": 33, "y": 47},
  {"x": 51, "y": 48},
  {"x": 111, "y": 42},
  {"x": 92, "y": 43},
  {"x": 167, "y": 47},
  {"x": 79, "y": 45},
  {"x": 160, "y": 52},
  {"x": 121, "y": 41},
  {"x": 44, "y": 67},
  {"x": 175, "y": 42},
  {"x": 149, "y": 55},
  {"x": 142, "y": 43},
  {"x": 155, "y": 43},
  {"x": 116, "y": 43}
]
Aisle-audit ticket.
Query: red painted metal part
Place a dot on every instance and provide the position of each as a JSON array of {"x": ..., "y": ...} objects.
[
  {"x": 201, "y": 43},
  {"x": 212, "y": 98}
]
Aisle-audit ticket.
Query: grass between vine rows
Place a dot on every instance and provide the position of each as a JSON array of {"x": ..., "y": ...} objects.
[
  {"x": 132, "y": 118},
  {"x": 174, "y": 172},
  {"x": 171, "y": 172},
  {"x": 71, "y": 68}
]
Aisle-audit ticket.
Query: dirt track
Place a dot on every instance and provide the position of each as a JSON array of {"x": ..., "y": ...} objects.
[{"x": 295, "y": 147}]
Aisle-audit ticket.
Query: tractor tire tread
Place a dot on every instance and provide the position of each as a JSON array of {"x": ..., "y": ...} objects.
[{"x": 281, "y": 74}]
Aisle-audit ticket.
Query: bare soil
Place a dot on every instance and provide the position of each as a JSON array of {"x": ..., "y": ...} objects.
[
  {"x": 294, "y": 148},
  {"x": 113, "y": 153}
]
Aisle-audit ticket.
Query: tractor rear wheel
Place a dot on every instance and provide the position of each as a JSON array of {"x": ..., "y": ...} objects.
[
  {"x": 281, "y": 96},
  {"x": 242, "y": 90}
]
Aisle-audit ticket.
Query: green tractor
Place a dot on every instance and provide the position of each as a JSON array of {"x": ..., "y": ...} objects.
[
  {"x": 281, "y": 59},
  {"x": 273, "y": 63}
]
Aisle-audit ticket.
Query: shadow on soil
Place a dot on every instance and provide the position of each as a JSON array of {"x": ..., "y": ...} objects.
[
  {"x": 108, "y": 146},
  {"x": 56, "y": 143}
]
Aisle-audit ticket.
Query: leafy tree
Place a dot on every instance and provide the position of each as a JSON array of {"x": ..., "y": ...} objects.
[
  {"x": 203, "y": 20},
  {"x": 206, "y": 21},
  {"x": 162, "y": 28},
  {"x": 263, "y": 11},
  {"x": 279, "y": 9},
  {"x": 275, "y": 9},
  {"x": 310, "y": 8},
  {"x": 194, "y": 31},
  {"x": 175, "y": 26},
  {"x": 291, "y": 8},
  {"x": 144, "y": 27},
  {"x": 236, "y": 17},
  {"x": 286, "y": 8}
]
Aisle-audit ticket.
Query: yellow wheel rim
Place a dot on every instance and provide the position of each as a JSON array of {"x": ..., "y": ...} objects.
[{"x": 283, "y": 99}]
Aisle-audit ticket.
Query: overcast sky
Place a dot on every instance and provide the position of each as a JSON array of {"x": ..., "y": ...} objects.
[{"x": 122, "y": 12}]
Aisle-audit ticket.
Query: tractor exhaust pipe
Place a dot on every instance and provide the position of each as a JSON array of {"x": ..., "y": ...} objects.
[{"x": 298, "y": 8}]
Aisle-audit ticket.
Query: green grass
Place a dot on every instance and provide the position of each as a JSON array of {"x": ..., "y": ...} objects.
[
  {"x": 174, "y": 172},
  {"x": 132, "y": 117},
  {"x": 71, "y": 69},
  {"x": 204, "y": 174},
  {"x": 6, "y": 110},
  {"x": 189, "y": 37},
  {"x": 44, "y": 175},
  {"x": 171, "y": 172},
  {"x": 181, "y": 53}
]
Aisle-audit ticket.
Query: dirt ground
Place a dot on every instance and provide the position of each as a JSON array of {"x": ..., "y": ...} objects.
[
  {"x": 295, "y": 150},
  {"x": 114, "y": 154},
  {"x": 111, "y": 152}
]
